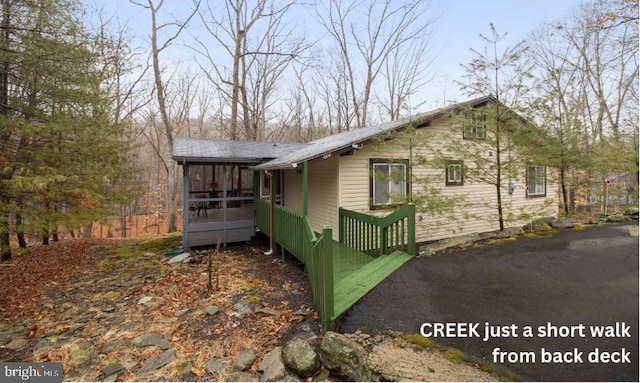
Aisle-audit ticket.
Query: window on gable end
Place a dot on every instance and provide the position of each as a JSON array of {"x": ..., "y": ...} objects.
[{"x": 475, "y": 126}]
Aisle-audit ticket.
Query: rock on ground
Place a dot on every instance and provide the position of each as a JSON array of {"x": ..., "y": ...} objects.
[
  {"x": 397, "y": 363},
  {"x": 344, "y": 357},
  {"x": 272, "y": 366},
  {"x": 157, "y": 361},
  {"x": 566, "y": 223},
  {"x": 244, "y": 360},
  {"x": 150, "y": 339},
  {"x": 301, "y": 358}
]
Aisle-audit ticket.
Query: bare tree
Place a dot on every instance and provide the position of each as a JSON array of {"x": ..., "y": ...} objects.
[
  {"x": 260, "y": 47},
  {"x": 387, "y": 40},
  {"x": 601, "y": 43},
  {"x": 607, "y": 56},
  {"x": 404, "y": 75},
  {"x": 157, "y": 47}
]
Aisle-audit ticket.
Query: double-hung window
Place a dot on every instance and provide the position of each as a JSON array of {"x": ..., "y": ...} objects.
[
  {"x": 454, "y": 173},
  {"x": 536, "y": 181},
  {"x": 388, "y": 182}
]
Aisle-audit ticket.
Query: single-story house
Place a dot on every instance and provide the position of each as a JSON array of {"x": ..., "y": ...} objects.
[
  {"x": 372, "y": 170},
  {"x": 351, "y": 206}
]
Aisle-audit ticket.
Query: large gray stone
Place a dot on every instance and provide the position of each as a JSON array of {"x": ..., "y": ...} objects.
[
  {"x": 565, "y": 223},
  {"x": 179, "y": 258},
  {"x": 181, "y": 312},
  {"x": 216, "y": 365},
  {"x": 211, "y": 310},
  {"x": 300, "y": 357},
  {"x": 150, "y": 339},
  {"x": 540, "y": 224},
  {"x": 510, "y": 232},
  {"x": 272, "y": 366},
  {"x": 244, "y": 360},
  {"x": 344, "y": 357},
  {"x": 113, "y": 368},
  {"x": 617, "y": 217},
  {"x": 242, "y": 307},
  {"x": 155, "y": 362}
]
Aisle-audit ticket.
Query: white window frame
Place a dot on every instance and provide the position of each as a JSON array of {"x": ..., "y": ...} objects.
[
  {"x": 396, "y": 191},
  {"x": 457, "y": 167}
]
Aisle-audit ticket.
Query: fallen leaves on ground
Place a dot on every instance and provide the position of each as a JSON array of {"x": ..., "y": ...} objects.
[
  {"x": 83, "y": 292},
  {"x": 24, "y": 278}
]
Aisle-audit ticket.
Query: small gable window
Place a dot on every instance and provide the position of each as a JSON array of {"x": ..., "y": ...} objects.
[
  {"x": 388, "y": 182},
  {"x": 454, "y": 173},
  {"x": 536, "y": 181},
  {"x": 475, "y": 126}
]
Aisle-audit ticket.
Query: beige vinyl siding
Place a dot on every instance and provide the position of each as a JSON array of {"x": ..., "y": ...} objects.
[
  {"x": 292, "y": 190},
  {"x": 322, "y": 193},
  {"x": 477, "y": 213}
]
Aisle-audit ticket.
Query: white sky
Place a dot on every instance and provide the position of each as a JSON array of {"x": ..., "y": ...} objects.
[{"x": 456, "y": 32}]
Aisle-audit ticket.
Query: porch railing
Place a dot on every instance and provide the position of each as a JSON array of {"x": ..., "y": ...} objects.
[
  {"x": 294, "y": 233},
  {"x": 379, "y": 235}
]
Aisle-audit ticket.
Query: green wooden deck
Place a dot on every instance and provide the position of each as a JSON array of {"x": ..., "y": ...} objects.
[{"x": 356, "y": 273}]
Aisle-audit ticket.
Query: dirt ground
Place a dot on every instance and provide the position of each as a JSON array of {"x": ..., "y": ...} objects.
[
  {"x": 87, "y": 303},
  {"x": 89, "y": 311}
]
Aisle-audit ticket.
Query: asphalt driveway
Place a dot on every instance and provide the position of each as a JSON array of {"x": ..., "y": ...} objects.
[{"x": 575, "y": 279}]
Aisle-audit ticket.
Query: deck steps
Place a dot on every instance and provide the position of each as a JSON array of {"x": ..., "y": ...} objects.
[{"x": 349, "y": 290}]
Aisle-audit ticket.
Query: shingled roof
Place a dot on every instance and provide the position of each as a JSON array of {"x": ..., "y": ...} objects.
[
  {"x": 269, "y": 155},
  {"x": 345, "y": 140},
  {"x": 204, "y": 150}
]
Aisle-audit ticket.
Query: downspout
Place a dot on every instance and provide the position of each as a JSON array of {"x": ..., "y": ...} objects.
[{"x": 271, "y": 207}]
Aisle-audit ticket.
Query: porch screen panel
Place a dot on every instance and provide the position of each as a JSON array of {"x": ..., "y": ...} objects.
[{"x": 239, "y": 193}]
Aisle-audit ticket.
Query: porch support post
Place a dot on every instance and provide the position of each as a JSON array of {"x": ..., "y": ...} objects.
[
  {"x": 185, "y": 205},
  {"x": 327, "y": 272},
  {"x": 305, "y": 188},
  {"x": 411, "y": 229}
]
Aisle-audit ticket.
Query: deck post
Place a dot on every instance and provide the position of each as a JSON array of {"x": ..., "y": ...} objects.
[
  {"x": 305, "y": 181},
  {"x": 411, "y": 229},
  {"x": 341, "y": 225},
  {"x": 384, "y": 240},
  {"x": 327, "y": 272},
  {"x": 185, "y": 206}
]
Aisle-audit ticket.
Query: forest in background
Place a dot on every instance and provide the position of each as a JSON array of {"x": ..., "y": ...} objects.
[{"x": 88, "y": 119}]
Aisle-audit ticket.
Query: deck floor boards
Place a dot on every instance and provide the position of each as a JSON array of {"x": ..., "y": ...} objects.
[{"x": 356, "y": 273}]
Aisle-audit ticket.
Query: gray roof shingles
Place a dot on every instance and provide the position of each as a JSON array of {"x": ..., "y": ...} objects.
[
  {"x": 344, "y": 140},
  {"x": 203, "y": 150},
  {"x": 280, "y": 156}
]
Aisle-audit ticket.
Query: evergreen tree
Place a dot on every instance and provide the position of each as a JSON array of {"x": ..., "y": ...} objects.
[{"x": 63, "y": 156}]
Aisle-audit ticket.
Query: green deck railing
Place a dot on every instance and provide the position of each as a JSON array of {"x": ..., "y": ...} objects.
[
  {"x": 379, "y": 235},
  {"x": 361, "y": 236},
  {"x": 294, "y": 233}
]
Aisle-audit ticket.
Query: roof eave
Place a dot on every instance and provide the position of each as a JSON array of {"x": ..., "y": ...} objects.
[{"x": 188, "y": 159}]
